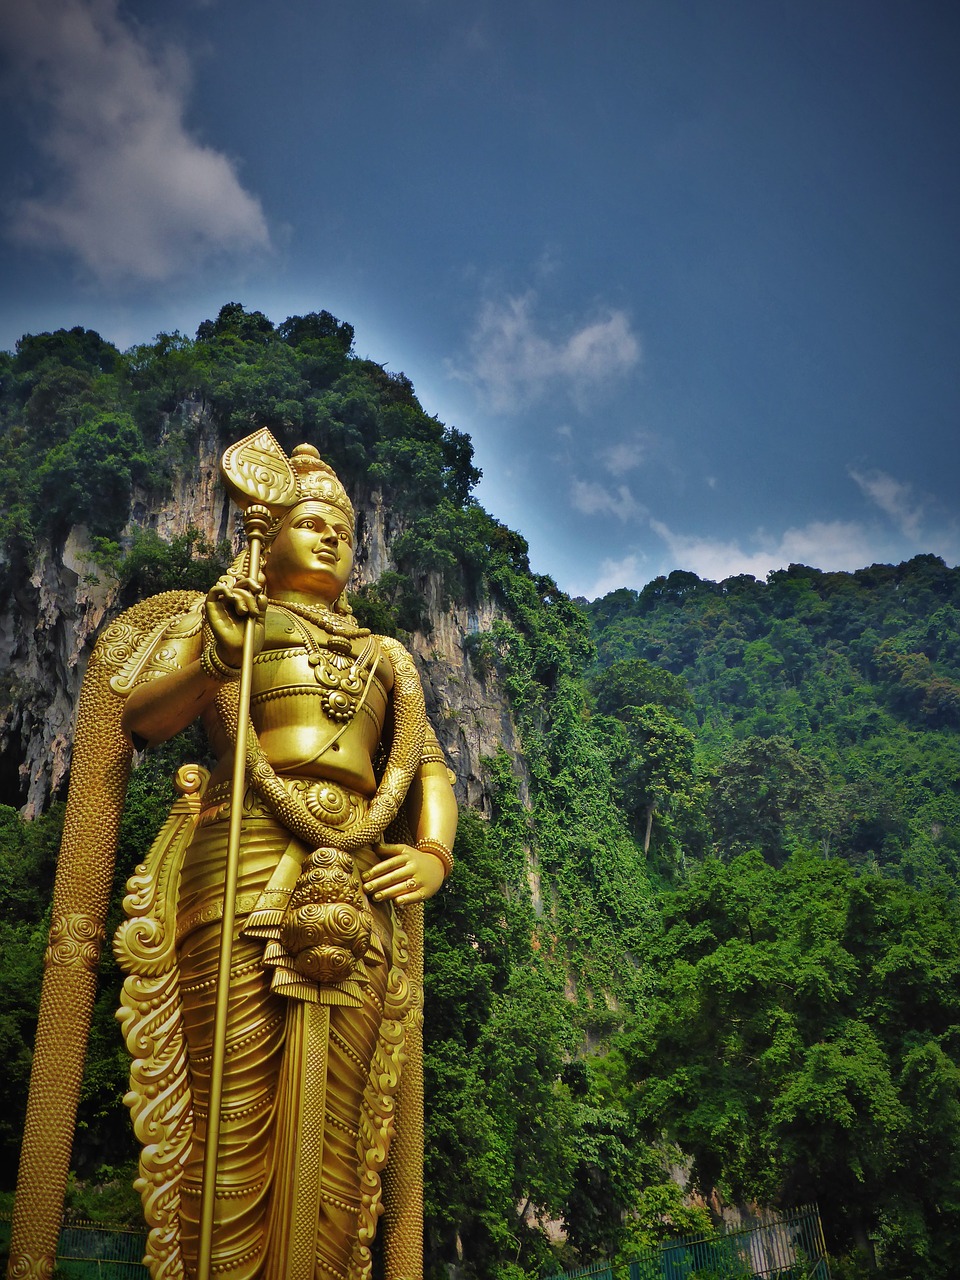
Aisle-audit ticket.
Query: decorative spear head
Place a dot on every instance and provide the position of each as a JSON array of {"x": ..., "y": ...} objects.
[{"x": 257, "y": 471}]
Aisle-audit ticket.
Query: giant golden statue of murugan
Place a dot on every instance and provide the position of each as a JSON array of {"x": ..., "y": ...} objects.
[{"x": 273, "y": 940}]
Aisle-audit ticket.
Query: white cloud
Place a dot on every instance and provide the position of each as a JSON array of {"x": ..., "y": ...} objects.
[
  {"x": 628, "y": 572},
  {"x": 894, "y": 498},
  {"x": 513, "y": 364},
  {"x": 132, "y": 194},
  {"x": 625, "y": 456},
  {"x": 828, "y": 545},
  {"x": 593, "y": 499}
]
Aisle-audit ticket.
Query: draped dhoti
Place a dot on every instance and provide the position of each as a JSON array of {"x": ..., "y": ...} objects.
[{"x": 308, "y": 1085}]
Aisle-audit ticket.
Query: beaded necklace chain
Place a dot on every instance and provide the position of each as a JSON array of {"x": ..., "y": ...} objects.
[
  {"x": 335, "y": 624},
  {"x": 334, "y": 667}
]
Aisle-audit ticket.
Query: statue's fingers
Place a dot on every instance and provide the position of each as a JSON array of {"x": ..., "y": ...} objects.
[
  {"x": 385, "y": 884},
  {"x": 390, "y": 894},
  {"x": 256, "y": 591},
  {"x": 398, "y": 862},
  {"x": 393, "y": 850},
  {"x": 246, "y": 603},
  {"x": 383, "y": 880}
]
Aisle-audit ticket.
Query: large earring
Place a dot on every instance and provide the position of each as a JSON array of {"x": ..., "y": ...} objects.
[{"x": 342, "y": 604}]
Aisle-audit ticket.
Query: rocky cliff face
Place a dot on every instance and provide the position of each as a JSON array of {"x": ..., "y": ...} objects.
[
  {"x": 50, "y": 623},
  {"x": 47, "y": 628}
]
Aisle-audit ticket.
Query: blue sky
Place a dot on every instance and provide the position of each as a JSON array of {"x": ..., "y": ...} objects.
[{"x": 687, "y": 272}]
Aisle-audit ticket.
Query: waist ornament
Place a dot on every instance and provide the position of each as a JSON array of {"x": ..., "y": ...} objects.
[{"x": 328, "y": 802}]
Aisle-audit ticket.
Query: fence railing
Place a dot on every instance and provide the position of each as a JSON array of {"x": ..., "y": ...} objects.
[
  {"x": 91, "y": 1251},
  {"x": 789, "y": 1247}
]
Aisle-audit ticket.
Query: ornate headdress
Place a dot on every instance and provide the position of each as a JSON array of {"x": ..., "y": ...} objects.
[
  {"x": 256, "y": 469},
  {"x": 317, "y": 479}
]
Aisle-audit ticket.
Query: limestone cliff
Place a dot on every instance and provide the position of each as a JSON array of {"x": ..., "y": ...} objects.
[{"x": 50, "y": 622}]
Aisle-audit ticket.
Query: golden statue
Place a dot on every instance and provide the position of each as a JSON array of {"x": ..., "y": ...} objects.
[{"x": 273, "y": 944}]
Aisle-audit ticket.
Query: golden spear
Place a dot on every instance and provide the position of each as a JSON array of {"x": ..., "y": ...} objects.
[{"x": 260, "y": 479}]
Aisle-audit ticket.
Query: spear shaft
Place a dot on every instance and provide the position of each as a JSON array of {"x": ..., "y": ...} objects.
[{"x": 256, "y": 520}]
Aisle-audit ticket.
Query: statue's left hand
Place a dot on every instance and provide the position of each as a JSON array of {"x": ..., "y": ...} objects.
[{"x": 403, "y": 874}]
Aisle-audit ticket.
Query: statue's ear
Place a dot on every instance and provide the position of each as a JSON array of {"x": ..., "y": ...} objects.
[{"x": 256, "y": 469}]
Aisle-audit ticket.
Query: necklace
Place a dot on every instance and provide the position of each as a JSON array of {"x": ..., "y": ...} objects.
[
  {"x": 335, "y": 624},
  {"x": 335, "y": 669}
]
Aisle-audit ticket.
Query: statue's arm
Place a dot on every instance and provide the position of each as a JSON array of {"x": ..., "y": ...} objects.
[
  {"x": 182, "y": 683},
  {"x": 409, "y": 873},
  {"x": 431, "y": 805},
  {"x": 156, "y": 710}
]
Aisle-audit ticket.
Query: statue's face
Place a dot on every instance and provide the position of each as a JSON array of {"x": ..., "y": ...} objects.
[{"x": 312, "y": 555}]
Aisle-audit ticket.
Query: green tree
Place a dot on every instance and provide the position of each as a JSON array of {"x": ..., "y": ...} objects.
[
  {"x": 189, "y": 561},
  {"x": 653, "y": 760},
  {"x": 28, "y": 853},
  {"x": 88, "y": 479},
  {"x": 498, "y": 1125},
  {"x": 801, "y": 1044},
  {"x": 634, "y": 682},
  {"x": 766, "y": 794}
]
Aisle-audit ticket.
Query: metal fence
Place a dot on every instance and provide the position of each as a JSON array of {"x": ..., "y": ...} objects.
[
  {"x": 91, "y": 1251},
  {"x": 789, "y": 1247}
]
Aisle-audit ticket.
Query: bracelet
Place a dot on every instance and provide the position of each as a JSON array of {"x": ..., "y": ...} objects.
[
  {"x": 214, "y": 666},
  {"x": 439, "y": 851}
]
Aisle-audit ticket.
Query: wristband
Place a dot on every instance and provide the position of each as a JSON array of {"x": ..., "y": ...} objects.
[
  {"x": 439, "y": 851},
  {"x": 214, "y": 666}
]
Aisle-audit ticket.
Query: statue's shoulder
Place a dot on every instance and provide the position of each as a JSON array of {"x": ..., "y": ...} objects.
[
  {"x": 151, "y": 638},
  {"x": 394, "y": 650},
  {"x": 400, "y": 659}
]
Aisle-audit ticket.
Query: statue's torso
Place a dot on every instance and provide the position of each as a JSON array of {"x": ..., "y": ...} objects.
[{"x": 319, "y": 703}]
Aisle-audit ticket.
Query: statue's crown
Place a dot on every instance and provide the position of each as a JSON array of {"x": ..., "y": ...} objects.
[
  {"x": 316, "y": 479},
  {"x": 256, "y": 470}
]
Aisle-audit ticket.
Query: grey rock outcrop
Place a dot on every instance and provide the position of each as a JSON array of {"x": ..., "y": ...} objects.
[{"x": 49, "y": 624}]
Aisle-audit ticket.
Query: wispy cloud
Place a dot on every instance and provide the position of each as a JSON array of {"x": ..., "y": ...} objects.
[
  {"x": 828, "y": 545},
  {"x": 628, "y": 571},
  {"x": 513, "y": 363},
  {"x": 594, "y": 499},
  {"x": 627, "y": 455},
  {"x": 895, "y": 499},
  {"x": 131, "y": 193}
]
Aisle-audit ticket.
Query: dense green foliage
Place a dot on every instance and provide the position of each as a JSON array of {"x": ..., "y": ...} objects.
[
  {"x": 825, "y": 707},
  {"x": 711, "y": 922},
  {"x": 802, "y": 1042}
]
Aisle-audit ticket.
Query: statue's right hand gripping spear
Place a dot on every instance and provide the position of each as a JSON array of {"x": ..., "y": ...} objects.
[{"x": 261, "y": 481}]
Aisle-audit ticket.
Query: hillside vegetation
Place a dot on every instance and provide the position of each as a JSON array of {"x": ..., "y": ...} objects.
[
  {"x": 789, "y": 752},
  {"x": 737, "y": 804}
]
